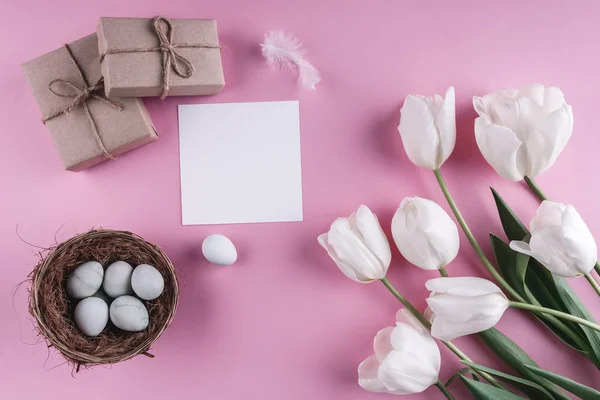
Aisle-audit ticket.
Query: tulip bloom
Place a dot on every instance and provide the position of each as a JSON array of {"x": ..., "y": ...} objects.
[
  {"x": 522, "y": 132},
  {"x": 428, "y": 128},
  {"x": 463, "y": 305},
  {"x": 358, "y": 246},
  {"x": 406, "y": 360},
  {"x": 560, "y": 240},
  {"x": 425, "y": 234}
]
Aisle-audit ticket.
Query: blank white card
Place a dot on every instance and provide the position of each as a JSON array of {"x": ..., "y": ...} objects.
[{"x": 240, "y": 163}]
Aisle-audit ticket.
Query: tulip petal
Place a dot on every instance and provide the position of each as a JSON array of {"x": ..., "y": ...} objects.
[
  {"x": 534, "y": 91},
  {"x": 459, "y": 309},
  {"x": 547, "y": 247},
  {"x": 499, "y": 146},
  {"x": 343, "y": 266},
  {"x": 351, "y": 250},
  {"x": 367, "y": 375},
  {"x": 444, "y": 330},
  {"x": 554, "y": 99},
  {"x": 424, "y": 233},
  {"x": 549, "y": 214},
  {"x": 373, "y": 235},
  {"x": 521, "y": 247},
  {"x": 383, "y": 343},
  {"x": 403, "y": 316},
  {"x": 506, "y": 112},
  {"x": 418, "y": 131},
  {"x": 578, "y": 241},
  {"x": 411, "y": 335},
  {"x": 555, "y": 131},
  {"x": 462, "y": 286},
  {"x": 404, "y": 373},
  {"x": 446, "y": 124},
  {"x": 455, "y": 316}
]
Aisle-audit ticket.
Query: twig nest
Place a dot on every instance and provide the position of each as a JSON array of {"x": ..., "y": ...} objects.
[
  {"x": 218, "y": 249},
  {"x": 91, "y": 315},
  {"x": 146, "y": 282},
  {"x": 85, "y": 280},
  {"x": 117, "y": 279},
  {"x": 128, "y": 313},
  {"x": 60, "y": 318}
]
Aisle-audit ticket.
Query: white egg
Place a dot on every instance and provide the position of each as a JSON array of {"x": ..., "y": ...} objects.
[
  {"x": 91, "y": 316},
  {"x": 117, "y": 279},
  {"x": 102, "y": 295},
  {"x": 146, "y": 282},
  {"x": 218, "y": 249},
  {"x": 85, "y": 280},
  {"x": 129, "y": 313}
]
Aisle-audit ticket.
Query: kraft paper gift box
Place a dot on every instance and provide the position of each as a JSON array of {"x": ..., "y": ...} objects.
[
  {"x": 86, "y": 127},
  {"x": 144, "y": 57}
]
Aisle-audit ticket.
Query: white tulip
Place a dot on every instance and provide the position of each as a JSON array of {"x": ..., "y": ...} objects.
[
  {"x": 424, "y": 233},
  {"x": 406, "y": 360},
  {"x": 358, "y": 246},
  {"x": 521, "y": 132},
  {"x": 560, "y": 240},
  {"x": 464, "y": 305},
  {"x": 428, "y": 128}
]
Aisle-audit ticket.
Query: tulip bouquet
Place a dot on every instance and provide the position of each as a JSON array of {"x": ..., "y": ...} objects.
[{"x": 520, "y": 133}]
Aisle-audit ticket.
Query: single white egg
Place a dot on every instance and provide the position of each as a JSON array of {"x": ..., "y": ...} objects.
[
  {"x": 85, "y": 280},
  {"x": 91, "y": 316},
  {"x": 218, "y": 249},
  {"x": 129, "y": 313},
  {"x": 147, "y": 283},
  {"x": 117, "y": 279}
]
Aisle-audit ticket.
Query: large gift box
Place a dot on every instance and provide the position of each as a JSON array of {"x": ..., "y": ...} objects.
[
  {"x": 87, "y": 128},
  {"x": 144, "y": 57}
]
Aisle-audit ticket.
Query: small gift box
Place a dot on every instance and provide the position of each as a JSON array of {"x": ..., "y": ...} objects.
[
  {"x": 160, "y": 57},
  {"x": 87, "y": 128}
]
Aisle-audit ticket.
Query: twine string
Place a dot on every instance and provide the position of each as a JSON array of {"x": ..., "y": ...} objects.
[
  {"x": 80, "y": 97},
  {"x": 163, "y": 27}
]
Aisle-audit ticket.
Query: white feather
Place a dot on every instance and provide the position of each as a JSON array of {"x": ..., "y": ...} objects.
[{"x": 285, "y": 51}]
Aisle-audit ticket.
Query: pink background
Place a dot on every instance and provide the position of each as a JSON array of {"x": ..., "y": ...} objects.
[{"x": 284, "y": 323}]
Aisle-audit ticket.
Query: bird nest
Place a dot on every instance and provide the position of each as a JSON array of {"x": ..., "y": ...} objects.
[{"x": 53, "y": 309}]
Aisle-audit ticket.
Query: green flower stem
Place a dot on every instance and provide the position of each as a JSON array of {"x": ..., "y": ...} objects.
[
  {"x": 406, "y": 304},
  {"x": 556, "y": 313},
  {"x": 444, "y": 390},
  {"x": 443, "y": 272},
  {"x": 427, "y": 325},
  {"x": 593, "y": 282},
  {"x": 535, "y": 189},
  {"x": 463, "y": 224},
  {"x": 597, "y": 268}
]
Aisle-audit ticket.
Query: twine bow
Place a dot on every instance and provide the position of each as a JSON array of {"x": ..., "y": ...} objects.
[
  {"x": 80, "y": 98},
  {"x": 163, "y": 27}
]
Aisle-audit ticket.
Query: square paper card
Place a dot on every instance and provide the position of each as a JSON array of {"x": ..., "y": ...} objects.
[{"x": 240, "y": 163}]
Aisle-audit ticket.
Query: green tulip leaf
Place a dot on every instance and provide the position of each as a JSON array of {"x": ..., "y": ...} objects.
[
  {"x": 512, "y": 225},
  {"x": 531, "y": 389},
  {"x": 578, "y": 389},
  {"x": 482, "y": 391},
  {"x": 461, "y": 371},
  {"x": 506, "y": 259},
  {"x": 577, "y": 308},
  {"x": 516, "y": 357}
]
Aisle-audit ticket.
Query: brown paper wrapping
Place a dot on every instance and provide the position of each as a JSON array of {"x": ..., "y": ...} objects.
[
  {"x": 120, "y": 131},
  {"x": 139, "y": 74}
]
